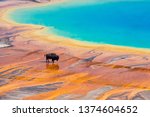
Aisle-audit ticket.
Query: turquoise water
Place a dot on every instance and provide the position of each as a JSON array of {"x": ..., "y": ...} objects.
[{"x": 117, "y": 23}]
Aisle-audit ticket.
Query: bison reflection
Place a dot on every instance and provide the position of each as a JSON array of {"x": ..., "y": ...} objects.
[
  {"x": 51, "y": 56},
  {"x": 52, "y": 66}
]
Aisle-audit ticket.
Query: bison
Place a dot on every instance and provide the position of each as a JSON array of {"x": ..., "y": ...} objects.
[{"x": 51, "y": 56}]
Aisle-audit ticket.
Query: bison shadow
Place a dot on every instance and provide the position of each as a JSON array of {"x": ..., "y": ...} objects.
[{"x": 52, "y": 67}]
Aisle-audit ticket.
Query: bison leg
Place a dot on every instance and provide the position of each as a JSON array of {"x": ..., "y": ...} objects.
[
  {"x": 47, "y": 60},
  {"x": 53, "y": 61}
]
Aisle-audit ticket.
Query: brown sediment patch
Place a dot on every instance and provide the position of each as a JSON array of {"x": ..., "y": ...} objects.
[
  {"x": 143, "y": 95},
  {"x": 92, "y": 95},
  {"x": 28, "y": 91}
]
